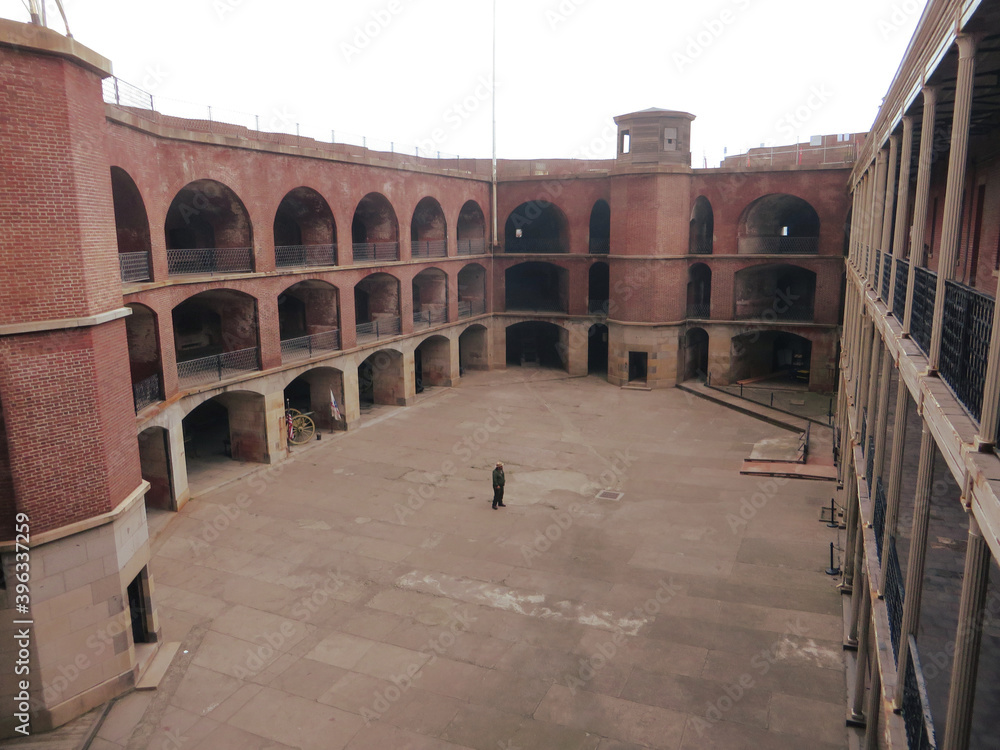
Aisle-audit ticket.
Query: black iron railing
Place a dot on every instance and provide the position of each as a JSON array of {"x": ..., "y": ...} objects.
[
  {"x": 878, "y": 515},
  {"x": 468, "y": 308},
  {"x": 965, "y": 343},
  {"x": 290, "y": 256},
  {"x": 147, "y": 392},
  {"x": 377, "y": 329},
  {"x": 870, "y": 460},
  {"x": 778, "y": 245},
  {"x": 209, "y": 260},
  {"x": 472, "y": 247},
  {"x": 886, "y": 270},
  {"x": 523, "y": 245},
  {"x": 899, "y": 292},
  {"x": 698, "y": 309},
  {"x": 429, "y": 248},
  {"x": 134, "y": 266},
  {"x": 916, "y": 705},
  {"x": 428, "y": 318},
  {"x": 864, "y": 424},
  {"x": 600, "y": 245},
  {"x": 922, "y": 315},
  {"x": 894, "y": 594},
  {"x": 375, "y": 251},
  {"x": 217, "y": 367},
  {"x": 308, "y": 346}
]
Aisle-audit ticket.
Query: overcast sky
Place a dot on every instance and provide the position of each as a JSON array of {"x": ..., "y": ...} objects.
[{"x": 418, "y": 71}]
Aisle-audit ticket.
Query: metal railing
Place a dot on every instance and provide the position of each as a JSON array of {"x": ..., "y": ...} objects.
[
  {"x": 778, "y": 245},
  {"x": 878, "y": 515},
  {"x": 308, "y": 346},
  {"x": 286, "y": 256},
  {"x": 870, "y": 460},
  {"x": 209, "y": 260},
  {"x": 429, "y": 248},
  {"x": 147, "y": 392},
  {"x": 468, "y": 308},
  {"x": 922, "y": 314},
  {"x": 428, "y": 318},
  {"x": 134, "y": 266},
  {"x": 217, "y": 367},
  {"x": 598, "y": 306},
  {"x": 377, "y": 329},
  {"x": 472, "y": 247},
  {"x": 698, "y": 309},
  {"x": 600, "y": 245},
  {"x": 886, "y": 269},
  {"x": 374, "y": 251},
  {"x": 894, "y": 594},
  {"x": 965, "y": 343},
  {"x": 864, "y": 424},
  {"x": 916, "y": 704},
  {"x": 524, "y": 245},
  {"x": 702, "y": 247},
  {"x": 899, "y": 292}
]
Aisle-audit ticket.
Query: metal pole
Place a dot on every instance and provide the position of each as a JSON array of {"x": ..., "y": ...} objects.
[{"x": 493, "y": 94}]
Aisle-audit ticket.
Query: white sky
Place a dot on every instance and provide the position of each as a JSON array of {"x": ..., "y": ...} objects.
[{"x": 417, "y": 71}]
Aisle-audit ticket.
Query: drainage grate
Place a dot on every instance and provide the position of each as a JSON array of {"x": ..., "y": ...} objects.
[{"x": 610, "y": 495}]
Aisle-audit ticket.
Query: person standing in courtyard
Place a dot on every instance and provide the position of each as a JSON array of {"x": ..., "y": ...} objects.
[{"x": 498, "y": 483}]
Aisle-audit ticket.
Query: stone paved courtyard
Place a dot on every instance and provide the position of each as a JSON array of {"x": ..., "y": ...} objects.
[{"x": 365, "y": 595}]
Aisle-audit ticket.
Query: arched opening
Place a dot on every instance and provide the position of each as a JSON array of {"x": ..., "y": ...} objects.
[
  {"x": 215, "y": 336},
  {"x": 315, "y": 392},
  {"x": 305, "y": 233},
  {"x": 471, "y": 229},
  {"x": 473, "y": 349},
  {"x": 770, "y": 355},
  {"x": 536, "y": 227},
  {"x": 143, "y": 337},
  {"x": 777, "y": 291},
  {"x": 471, "y": 290},
  {"x": 599, "y": 288},
  {"x": 230, "y": 426},
  {"x": 702, "y": 229},
  {"x": 695, "y": 354},
  {"x": 380, "y": 379},
  {"x": 154, "y": 461},
  {"x": 375, "y": 230},
  {"x": 537, "y": 286},
  {"x": 131, "y": 227},
  {"x": 428, "y": 230},
  {"x": 537, "y": 343},
  {"x": 597, "y": 349},
  {"x": 208, "y": 231},
  {"x": 308, "y": 320},
  {"x": 376, "y": 307},
  {"x": 600, "y": 228},
  {"x": 430, "y": 298},
  {"x": 699, "y": 291},
  {"x": 432, "y": 363},
  {"x": 779, "y": 223}
]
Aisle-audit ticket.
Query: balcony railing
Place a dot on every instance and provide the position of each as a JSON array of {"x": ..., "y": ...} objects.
[
  {"x": 916, "y": 705},
  {"x": 134, "y": 266},
  {"x": 965, "y": 343},
  {"x": 209, "y": 260},
  {"x": 921, "y": 317},
  {"x": 309, "y": 346},
  {"x": 290, "y": 256},
  {"x": 600, "y": 245},
  {"x": 698, "y": 309},
  {"x": 147, "y": 392},
  {"x": 598, "y": 306},
  {"x": 523, "y": 245},
  {"x": 217, "y": 367},
  {"x": 468, "y": 308},
  {"x": 778, "y": 245},
  {"x": 428, "y": 318},
  {"x": 377, "y": 329},
  {"x": 894, "y": 593},
  {"x": 886, "y": 270},
  {"x": 899, "y": 292},
  {"x": 375, "y": 251},
  {"x": 472, "y": 247},
  {"x": 878, "y": 509},
  {"x": 429, "y": 248}
]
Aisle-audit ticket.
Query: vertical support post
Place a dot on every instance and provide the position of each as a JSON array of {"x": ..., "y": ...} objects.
[
  {"x": 861, "y": 673},
  {"x": 917, "y": 255},
  {"x": 895, "y": 466}
]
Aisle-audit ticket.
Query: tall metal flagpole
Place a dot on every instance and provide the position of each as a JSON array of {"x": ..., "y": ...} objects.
[{"x": 494, "y": 93}]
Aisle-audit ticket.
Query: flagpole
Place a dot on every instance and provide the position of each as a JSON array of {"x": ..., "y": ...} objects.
[{"x": 494, "y": 104}]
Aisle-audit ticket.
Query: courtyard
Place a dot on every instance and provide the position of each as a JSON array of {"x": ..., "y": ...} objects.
[{"x": 363, "y": 594}]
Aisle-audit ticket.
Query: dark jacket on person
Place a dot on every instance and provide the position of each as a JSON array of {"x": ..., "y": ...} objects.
[{"x": 498, "y": 478}]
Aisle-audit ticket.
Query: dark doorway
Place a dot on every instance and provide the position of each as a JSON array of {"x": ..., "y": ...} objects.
[
  {"x": 637, "y": 362},
  {"x": 534, "y": 343},
  {"x": 597, "y": 349},
  {"x": 366, "y": 384},
  {"x": 418, "y": 369},
  {"x": 138, "y": 609}
]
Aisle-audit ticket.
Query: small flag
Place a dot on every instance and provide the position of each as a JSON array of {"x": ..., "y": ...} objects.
[{"x": 333, "y": 406}]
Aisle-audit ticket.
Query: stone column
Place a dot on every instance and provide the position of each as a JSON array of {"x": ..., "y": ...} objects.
[
  {"x": 860, "y": 584},
  {"x": 882, "y": 422},
  {"x": 851, "y": 505},
  {"x": 178, "y": 462},
  {"x": 917, "y": 255},
  {"x": 864, "y": 370},
  {"x": 874, "y": 704},
  {"x": 967, "y": 641},
  {"x": 873, "y": 381},
  {"x": 951, "y": 232},
  {"x": 895, "y": 467},
  {"x": 918, "y": 552},
  {"x": 884, "y": 229},
  {"x": 863, "y": 593}
]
